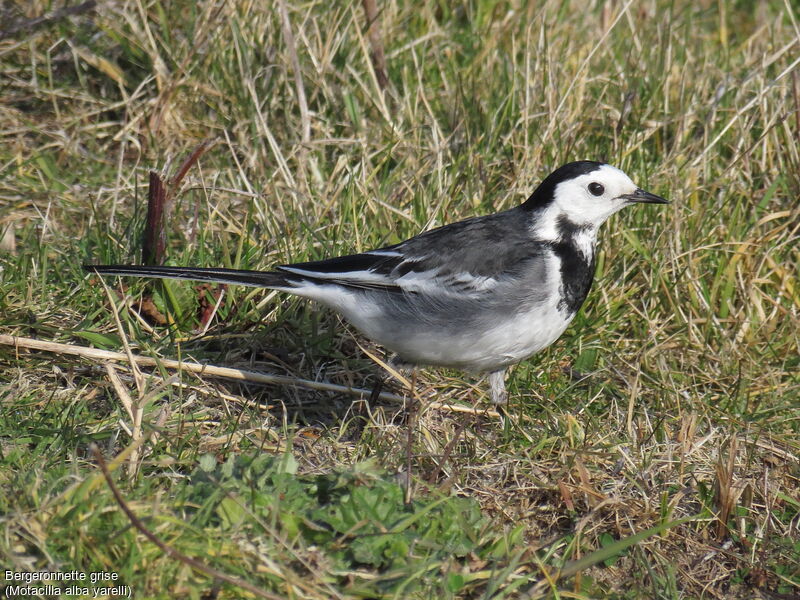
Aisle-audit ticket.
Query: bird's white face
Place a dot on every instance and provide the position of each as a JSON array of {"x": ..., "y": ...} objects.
[{"x": 590, "y": 199}]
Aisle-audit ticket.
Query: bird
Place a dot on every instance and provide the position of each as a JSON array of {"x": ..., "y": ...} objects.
[{"x": 478, "y": 295}]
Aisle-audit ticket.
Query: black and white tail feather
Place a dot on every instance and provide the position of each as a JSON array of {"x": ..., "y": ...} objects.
[{"x": 478, "y": 295}]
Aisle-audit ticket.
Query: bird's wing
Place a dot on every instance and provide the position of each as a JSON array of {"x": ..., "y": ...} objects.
[{"x": 467, "y": 257}]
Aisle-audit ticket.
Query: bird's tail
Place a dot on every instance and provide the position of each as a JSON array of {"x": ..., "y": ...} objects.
[{"x": 269, "y": 279}]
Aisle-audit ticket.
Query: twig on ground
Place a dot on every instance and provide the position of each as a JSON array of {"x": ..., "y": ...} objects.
[
  {"x": 160, "y": 195},
  {"x": 202, "y": 369},
  {"x": 226, "y": 372},
  {"x": 154, "y": 240}
]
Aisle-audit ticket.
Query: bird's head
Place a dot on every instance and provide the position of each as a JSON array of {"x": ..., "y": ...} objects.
[{"x": 587, "y": 193}]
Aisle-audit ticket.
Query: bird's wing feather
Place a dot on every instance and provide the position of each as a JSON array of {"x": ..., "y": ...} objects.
[{"x": 466, "y": 257}]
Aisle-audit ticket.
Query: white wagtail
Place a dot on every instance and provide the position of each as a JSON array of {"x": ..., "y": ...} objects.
[{"x": 477, "y": 295}]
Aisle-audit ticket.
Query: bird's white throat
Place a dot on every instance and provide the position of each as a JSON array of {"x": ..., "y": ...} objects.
[{"x": 552, "y": 225}]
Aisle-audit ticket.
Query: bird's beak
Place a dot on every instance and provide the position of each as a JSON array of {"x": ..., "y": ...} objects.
[{"x": 645, "y": 197}]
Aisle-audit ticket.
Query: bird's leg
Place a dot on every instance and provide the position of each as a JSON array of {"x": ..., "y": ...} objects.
[{"x": 497, "y": 385}]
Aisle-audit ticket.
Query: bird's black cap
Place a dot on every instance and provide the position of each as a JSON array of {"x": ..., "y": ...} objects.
[{"x": 544, "y": 193}]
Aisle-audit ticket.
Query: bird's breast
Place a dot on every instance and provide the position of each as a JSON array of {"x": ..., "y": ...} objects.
[{"x": 576, "y": 268}]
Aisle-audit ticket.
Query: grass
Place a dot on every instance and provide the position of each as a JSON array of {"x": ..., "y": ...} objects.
[{"x": 671, "y": 402}]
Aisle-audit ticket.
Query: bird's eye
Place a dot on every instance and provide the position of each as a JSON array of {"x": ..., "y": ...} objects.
[{"x": 596, "y": 189}]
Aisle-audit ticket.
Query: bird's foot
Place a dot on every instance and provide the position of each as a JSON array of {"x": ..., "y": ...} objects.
[{"x": 497, "y": 386}]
